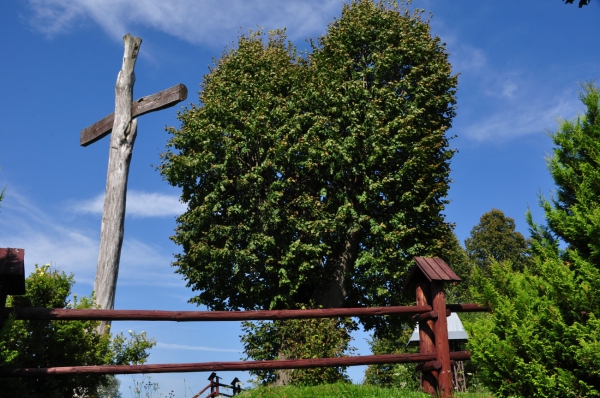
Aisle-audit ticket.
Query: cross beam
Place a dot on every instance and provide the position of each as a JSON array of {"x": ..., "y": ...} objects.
[
  {"x": 123, "y": 126},
  {"x": 150, "y": 103}
]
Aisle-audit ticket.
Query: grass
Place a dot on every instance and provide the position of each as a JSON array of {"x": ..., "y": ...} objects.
[{"x": 342, "y": 390}]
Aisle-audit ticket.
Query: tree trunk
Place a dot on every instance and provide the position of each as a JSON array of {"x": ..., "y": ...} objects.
[
  {"x": 113, "y": 216},
  {"x": 333, "y": 293},
  {"x": 283, "y": 375}
]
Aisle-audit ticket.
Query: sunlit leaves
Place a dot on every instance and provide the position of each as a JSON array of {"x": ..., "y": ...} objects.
[{"x": 300, "y": 167}]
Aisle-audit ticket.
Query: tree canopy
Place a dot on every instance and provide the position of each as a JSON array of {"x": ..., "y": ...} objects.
[
  {"x": 36, "y": 343},
  {"x": 315, "y": 178},
  {"x": 543, "y": 336},
  {"x": 581, "y": 2},
  {"x": 495, "y": 239}
]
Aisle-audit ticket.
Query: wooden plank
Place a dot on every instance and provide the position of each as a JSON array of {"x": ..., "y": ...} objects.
[
  {"x": 436, "y": 269},
  {"x": 426, "y": 268},
  {"x": 426, "y": 338},
  {"x": 467, "y": 308},
  {"x": 228, "y": 366},
  {"x": 442, "y": 346},
  {"x": 435, "y": 266},
  {"x": 428, "y": 366},
  {"x": 150, "y": 103},
  {"x": 444, "y": 268},
  {"x": 426, "y": 316},
  {"x": 189, "y": 316}
]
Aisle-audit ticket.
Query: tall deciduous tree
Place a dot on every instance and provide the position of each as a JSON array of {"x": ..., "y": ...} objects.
[
  {"x": 543, "y": 338},
  {"x": 316, "y": 178}
]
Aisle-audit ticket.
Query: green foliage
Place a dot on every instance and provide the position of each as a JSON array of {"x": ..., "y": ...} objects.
[
  {"x": 574, "y": 215},
  {"x": 299, "y": 339},
  {"x": 36, "y": 343},
  {"x": 341, "y": 390},
  {"x": 495, "y": 239},
  {"x": 543, "y": 338},
  {"x": 109, "y": 388},
  {"x": 316, "y": 177},
  {"x": 400, "y": 375},
  {"x": 146, "y": 388}
]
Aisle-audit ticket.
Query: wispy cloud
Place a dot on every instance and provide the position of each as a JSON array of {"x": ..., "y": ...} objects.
[
  {"x": 194, "y": 348},
  {"x": 500, "y": 103},
  {"x": 525, "y": 115},
  {"x": 73, "y": 247},
  {"x": 139, "y": 204},
  {"x": 198, "y": 22},
  {"x": 45, "y": 240}
]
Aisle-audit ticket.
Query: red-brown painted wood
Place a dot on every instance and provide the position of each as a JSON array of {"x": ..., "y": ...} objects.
[
  {"x": 426, "y": 316},
  {"x": 188, "y": 316},
  {"x": 429, "y": 366},
  {"x": 467, "y": 308},
  {"x": 436, "y": 269},
  {"x": 228, "y": 366},
  {"x": 442, "y": 347},
  {"x": 426, "y": 338}
]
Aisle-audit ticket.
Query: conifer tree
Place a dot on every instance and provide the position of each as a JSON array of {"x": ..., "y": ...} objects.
[{"x": 543, "y": 338}]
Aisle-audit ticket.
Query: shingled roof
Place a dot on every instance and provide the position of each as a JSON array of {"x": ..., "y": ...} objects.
[{"x": 430, "y": 269}]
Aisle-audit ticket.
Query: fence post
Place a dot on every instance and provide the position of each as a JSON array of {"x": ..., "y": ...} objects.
[
  {"x": 426, "y": 339},
  {"x": 442, "y": 346},
  {"x": 235, "y": 385},
  {"x": 12, "y": 275},
  {"x": 428, "y": 278}
]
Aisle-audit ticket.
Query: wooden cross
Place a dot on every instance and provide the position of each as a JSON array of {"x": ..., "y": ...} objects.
[{"x": 124, "y": 130}]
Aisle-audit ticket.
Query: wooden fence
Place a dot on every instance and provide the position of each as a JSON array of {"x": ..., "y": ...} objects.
[{"x": 427, "y": 278}]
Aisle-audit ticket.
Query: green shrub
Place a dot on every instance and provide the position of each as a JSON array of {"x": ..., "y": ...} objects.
[{"x": 43, "y": 344}]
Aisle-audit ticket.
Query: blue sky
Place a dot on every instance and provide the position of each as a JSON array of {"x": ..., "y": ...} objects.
[{"x": 519, "y": 64}]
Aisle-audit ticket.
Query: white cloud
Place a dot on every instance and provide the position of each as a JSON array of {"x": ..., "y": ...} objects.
[
  {"x": 508, "y": 89},
  {"x": 48, "y": 238},
  {"x": 501, "y": 104},
  {"x": 466, "y": 58},
  {"x": 199, "y": 22},
  {"x": 194, "y": 348},
  {"x": 139, "y": 204},
  {"x": 45, "y": 239},
  {"x": 526, "y": 115}
]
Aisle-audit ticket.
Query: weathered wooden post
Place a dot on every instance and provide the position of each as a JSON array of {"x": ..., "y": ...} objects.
[
  {"x": 236, "y": 386},
  {"x": 12, "y": 275},
  {"x": 428, "y": 277},
  {"x": 124, "y": 131}
]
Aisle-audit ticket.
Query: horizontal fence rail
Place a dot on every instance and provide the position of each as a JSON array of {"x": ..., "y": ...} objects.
[
  {"x": 230, "y": 366},
  {"x": 198, "y": 316},
  {"x": 427, "y": 278}
]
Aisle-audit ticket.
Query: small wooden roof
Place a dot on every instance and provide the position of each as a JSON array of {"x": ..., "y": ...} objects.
[
  {"x": 12, "y": 271},
  {"x": 431, "y": 269},
  {"x": 436, "y": 269}
]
